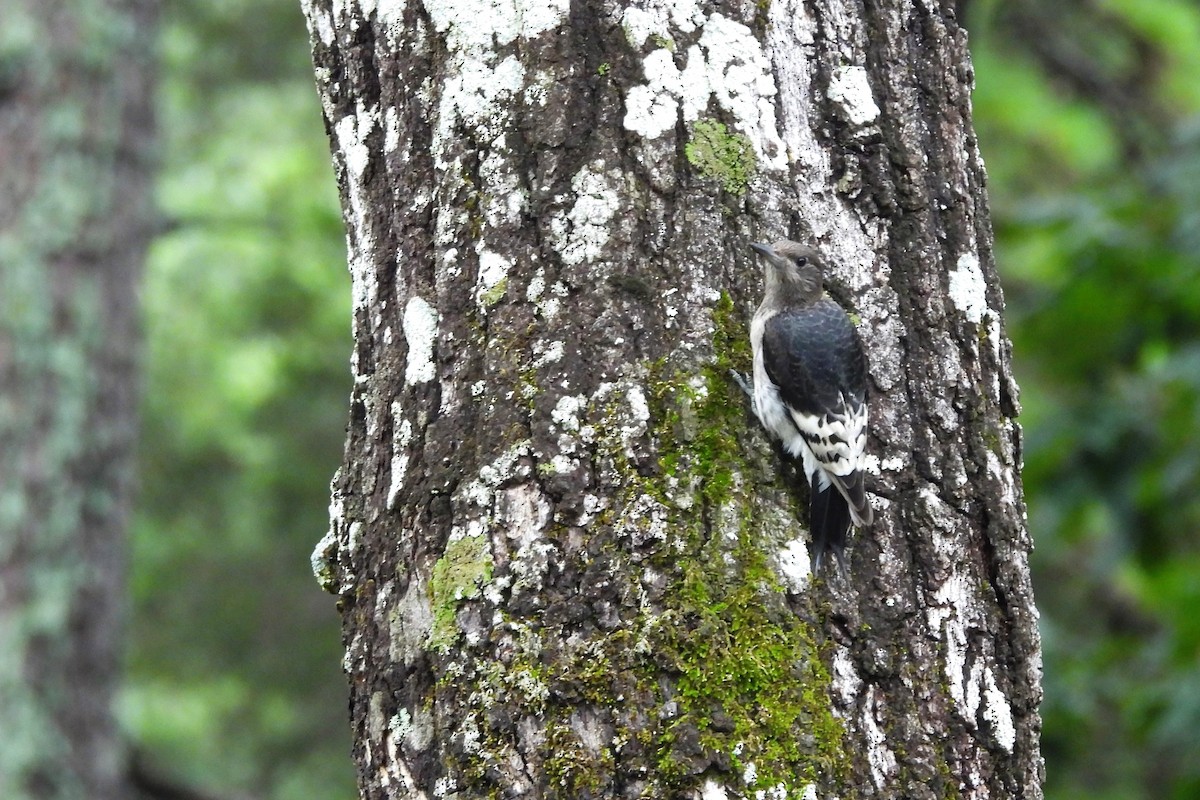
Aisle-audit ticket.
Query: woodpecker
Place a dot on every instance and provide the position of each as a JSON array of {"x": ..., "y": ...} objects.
[{"x": 810, "y": 390}]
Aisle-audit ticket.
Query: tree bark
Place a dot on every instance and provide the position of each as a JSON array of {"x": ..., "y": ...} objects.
[
  {"x": 76, "y": 85},
  {"x": 568, "y": 561}
]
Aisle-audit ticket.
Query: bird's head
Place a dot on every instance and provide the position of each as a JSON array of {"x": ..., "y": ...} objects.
[{"x": 792, "y": 268}]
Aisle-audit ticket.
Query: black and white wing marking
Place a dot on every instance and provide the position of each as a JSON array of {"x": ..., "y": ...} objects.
[{"x": 815, "y": 358}]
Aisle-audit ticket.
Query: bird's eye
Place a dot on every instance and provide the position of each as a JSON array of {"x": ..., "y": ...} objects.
[{"x": 801, "y": 261}]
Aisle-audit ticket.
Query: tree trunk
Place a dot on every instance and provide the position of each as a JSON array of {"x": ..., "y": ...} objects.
[
  {"x": 75, "y": 134},
  {"x": 567, "y": 562}
]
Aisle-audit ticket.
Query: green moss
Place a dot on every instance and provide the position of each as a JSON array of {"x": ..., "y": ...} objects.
[
  {"x": 665, "y": 42},
  {"x": 459, "y": 574},
  {"x": 603, "y": 69},
  {"x": 719, "y": 670},
  {"x": 725, "y": 157},
  {"x": 749, "y": 681},
  {"x": 571, "y": 770},
  {"x": 494, "y": 294}
]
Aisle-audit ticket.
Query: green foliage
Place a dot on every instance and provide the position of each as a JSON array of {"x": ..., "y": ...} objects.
[
  {"x": 234, "y": 682},
  {"x": 1097, "y": 211},
  {"x": 727, "y": 158}
]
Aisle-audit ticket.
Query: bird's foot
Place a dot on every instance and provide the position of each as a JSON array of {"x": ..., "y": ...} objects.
[{"x": 742, "y": 383}]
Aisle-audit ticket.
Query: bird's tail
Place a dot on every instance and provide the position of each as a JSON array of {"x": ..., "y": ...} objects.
[
  {"x": 829, "y": 519},
  {"x": 852, "y": 488}
]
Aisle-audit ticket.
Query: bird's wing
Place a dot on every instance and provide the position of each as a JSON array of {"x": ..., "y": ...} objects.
[{"x": 816, "y": 359}]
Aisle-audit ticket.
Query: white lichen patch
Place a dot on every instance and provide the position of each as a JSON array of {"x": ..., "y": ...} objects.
[
  {"x": 563, "y": 464},
  {"x": 998, "y": 713},
  {"x": 550, "y": 353},
  {"x": 505, "y": 199},
  {"x": 566, "y": 411},
  {"x": 400, "y": 442},
  {"x": 493, "y": 272},
  {"x": 553, "y": 304},
  {"x": 530, "y": 564},
  {"x": 639, "y": 415},
  {"x": 794, "y": 566},
  {"x": 880, "y": 758},
  {"x": 505, "y": 467},
  {"x": 1003, "y": 475},
  {"x": 389, "y": 12},
  {"x": 472, "y": 24},
  {"x": 652, "y": 109},
  {"x": 656, "y": 18},
  {"x": 321, "y": 560},
  {"x": 630, "y": 419},
  {"x": 845, "y": 682},
  {"x": 644, "y": 521},
  {"x": 579, "y": 236},
  {"x": 740, "y": 77},
  {"x": 876, "y": 466},
  {"x": 477, "y": 87},
  {"x": 850, "y": 92},
  {"x": 537, "y": 286},
  {"x": 320, "y": 20},
  {"x": 777, "y": 792},
  {"x": 994, "y": 335},
  {"x": 728, "y": 64},
  {"x": 475, "y": 97},
  {"x": 478, "y": 90},
  {"x": 351, "y": 132},
  {"x": 523, "y": 512},
  {"x": 420, "y": 331},
  {"x": 953, "y": 612},
  {"x": 711, "y": 790},
  {"x": 391, "y": 130},
  {"x": 968, "y": 290}
]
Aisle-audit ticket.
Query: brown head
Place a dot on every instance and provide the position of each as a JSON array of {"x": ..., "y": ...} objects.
[{"x": 794, "y": 272}]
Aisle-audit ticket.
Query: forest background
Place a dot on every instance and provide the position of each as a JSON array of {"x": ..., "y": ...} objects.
[{"x": 1088, "y": 114}]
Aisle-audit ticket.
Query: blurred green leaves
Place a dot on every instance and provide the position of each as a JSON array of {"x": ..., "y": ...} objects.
[
  {"x": 234, "y": 681},
  {"x": 1088, "y": 114},
  {"x": 1091, "y": 138}
]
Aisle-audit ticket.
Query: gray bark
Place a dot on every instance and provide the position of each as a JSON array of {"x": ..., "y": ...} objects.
[
  {"x": 75, "y": 130},
  {"x": 568, "y": 561}
]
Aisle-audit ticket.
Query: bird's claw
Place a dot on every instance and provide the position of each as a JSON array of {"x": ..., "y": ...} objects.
[{"x": 742, "y": 383}]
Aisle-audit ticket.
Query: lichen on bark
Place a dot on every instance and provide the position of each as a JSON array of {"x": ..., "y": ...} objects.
[
  {"x": 460, "y": 574},
  {"x": 721, "y": 155},
  {"x": 651, "y": 626}
]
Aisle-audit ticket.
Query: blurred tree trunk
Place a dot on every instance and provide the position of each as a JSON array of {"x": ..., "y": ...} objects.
[
  {"x": 76, "y": 130},
  {"x": 566, "y": 562}
]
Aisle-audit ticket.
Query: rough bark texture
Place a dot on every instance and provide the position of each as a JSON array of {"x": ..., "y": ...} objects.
[
  {"x": 75, "y": 134},
  {"x": 568, "y": 561}
]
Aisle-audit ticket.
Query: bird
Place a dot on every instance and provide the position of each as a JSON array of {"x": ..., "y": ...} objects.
[{"x": 810, "y": 390}]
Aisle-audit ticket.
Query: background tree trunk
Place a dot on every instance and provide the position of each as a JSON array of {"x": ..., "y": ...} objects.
[
  {"x": 567, "y": 563},
  {"x": 75, "y": 133}
]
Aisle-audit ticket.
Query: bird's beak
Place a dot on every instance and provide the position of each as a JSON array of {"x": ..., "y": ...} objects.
[{"x": 764, "y": 250}]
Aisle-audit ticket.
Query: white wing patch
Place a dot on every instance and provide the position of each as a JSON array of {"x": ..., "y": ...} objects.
[{"x": 837, "y": 441}]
